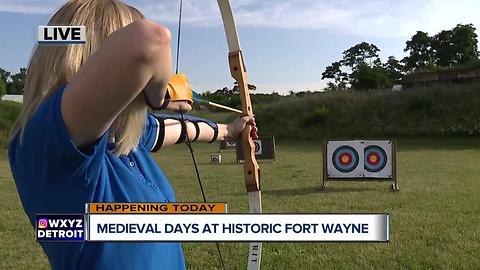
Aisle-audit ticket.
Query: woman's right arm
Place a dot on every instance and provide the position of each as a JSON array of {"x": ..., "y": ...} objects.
[{"x": 134, "y": 58}]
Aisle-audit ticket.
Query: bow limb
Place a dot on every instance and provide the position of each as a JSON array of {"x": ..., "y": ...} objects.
[{"x": 250, "y": 165}]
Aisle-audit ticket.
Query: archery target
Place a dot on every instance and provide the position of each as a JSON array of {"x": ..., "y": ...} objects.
[
  {"x": 345, "y": 159},
  {"x": 258, "y": 147},
  {"x": 231, "y": 143},
  {"x": 375, "y": 158},
  {"x": 216, "y": 158},
  {"x": 378, "y": 159},
  {"x": 227, "y": 144},
  {"x": 359, "y": 159},
  {"x": 264, "y": 149}
]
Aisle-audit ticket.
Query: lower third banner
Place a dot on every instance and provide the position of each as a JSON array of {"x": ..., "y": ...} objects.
[{"x": 239, "y": 227}]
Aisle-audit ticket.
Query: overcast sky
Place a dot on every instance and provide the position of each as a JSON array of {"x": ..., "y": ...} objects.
[{"x": 287, "y": 43}]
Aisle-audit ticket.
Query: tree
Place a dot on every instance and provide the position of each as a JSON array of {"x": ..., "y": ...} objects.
[
  {"x": 443, "y": 48},
  {"x": 4, "y": 75},
  {"x": 3, "y": 87},
  {"x": 421, "y": 53},
  {"x": 366, "y": 77},
  {"x": 334, "y": 71},
  {"x": 236, "y": 89},
  {"x": 394, "y": 69},
  {"x": 447, "y": 48},
  {"x": 15, "y": 87},
  {"x": 366, "y": 69},
  {"x": 359, "y": 54},
  {"x": 464, "y": 44},
  {"x": 331, "y": 87}
]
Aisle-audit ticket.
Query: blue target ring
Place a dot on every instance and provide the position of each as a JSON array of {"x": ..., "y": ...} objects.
[
  {"x": 345, "y": 159},
  {"x": 375, "y": 158}
]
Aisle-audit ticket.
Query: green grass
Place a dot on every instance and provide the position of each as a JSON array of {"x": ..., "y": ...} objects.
[
  {"x": 8, "y": 113},
  {"x": 434, "y": 218},
  {"x": 18, "y": 249}
]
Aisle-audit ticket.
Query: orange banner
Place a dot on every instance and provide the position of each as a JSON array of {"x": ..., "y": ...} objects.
[{"x": 156, "y": 208}]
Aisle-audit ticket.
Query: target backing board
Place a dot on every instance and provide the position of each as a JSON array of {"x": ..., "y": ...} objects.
[
  {"x": 264, "y": 149},
  {"x": 344, "y": 160},
  {"x": 359, "y": 159},
  {"x": 378, "y": 159}
]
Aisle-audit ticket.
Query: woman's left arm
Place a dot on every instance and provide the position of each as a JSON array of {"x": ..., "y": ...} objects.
[{"x": 173, "y": 130}]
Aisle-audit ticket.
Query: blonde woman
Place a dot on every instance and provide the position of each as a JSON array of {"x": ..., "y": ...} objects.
[{"x": 84, "y": 134}]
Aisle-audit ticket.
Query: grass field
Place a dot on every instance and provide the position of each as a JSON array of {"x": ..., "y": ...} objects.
[{"x": 434, "y": 218}]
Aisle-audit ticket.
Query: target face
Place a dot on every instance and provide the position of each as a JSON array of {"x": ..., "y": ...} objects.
[
  {"x": 231, "y": 143},
  {"x": 345, "y": 159},
  {"x": 215, "y": 158},
  {"x": 375, "y": 158},
  {"x": 258, "y": 147}
]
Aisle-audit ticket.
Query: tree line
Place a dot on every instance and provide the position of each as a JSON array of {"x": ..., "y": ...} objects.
[
  {"x": 12, "y": 84},
  {"x": 361, "y": 67}
]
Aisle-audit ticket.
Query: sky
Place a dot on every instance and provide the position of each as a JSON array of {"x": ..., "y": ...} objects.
[{"x": 286, "y": 43}]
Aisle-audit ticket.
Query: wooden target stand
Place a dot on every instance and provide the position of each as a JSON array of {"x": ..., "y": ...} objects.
[{"x": 327, "y": 178}]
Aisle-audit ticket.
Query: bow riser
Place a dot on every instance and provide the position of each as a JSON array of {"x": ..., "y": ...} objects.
[
  {"x": 251, "y": 169},
  {"x": 250, "y": 166},
  {"x": 239, "y": 73}
]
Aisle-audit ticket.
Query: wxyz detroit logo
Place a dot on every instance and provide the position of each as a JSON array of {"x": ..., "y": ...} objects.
[{"x": 60, "y": 228}]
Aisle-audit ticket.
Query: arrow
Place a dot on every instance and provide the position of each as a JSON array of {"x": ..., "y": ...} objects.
[{"x": 198, "y": 98}]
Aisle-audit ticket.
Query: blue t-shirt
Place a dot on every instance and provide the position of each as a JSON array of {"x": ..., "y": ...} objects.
[{"x": 53, "y": 176}]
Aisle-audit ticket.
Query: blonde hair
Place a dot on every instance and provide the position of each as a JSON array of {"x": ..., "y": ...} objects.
[{"x": 52, "y": 66}]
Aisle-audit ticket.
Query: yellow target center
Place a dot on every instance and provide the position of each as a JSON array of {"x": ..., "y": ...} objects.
[
  {"x": 345, "y": 159},
  {"x": 373, "y": 158}
]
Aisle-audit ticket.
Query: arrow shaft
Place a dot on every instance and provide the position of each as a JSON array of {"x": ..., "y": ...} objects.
[
  {"x": 197, "y": 97},
  {"x": 224, "y": 107}
]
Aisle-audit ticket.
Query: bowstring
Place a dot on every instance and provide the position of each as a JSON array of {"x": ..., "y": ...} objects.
[
  {"x": 178, "y": 35},
  {"x": 188, "y": 142}
]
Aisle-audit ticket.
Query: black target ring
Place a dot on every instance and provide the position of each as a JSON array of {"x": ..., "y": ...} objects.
[
  {"x": 345, "y": 159},
  {"x": 257, "y": 146}
]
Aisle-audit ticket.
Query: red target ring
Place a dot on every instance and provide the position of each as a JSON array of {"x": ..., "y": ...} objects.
[
  {"x": 373, "y": 158},
  {"x": 345, "y": 159}
]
